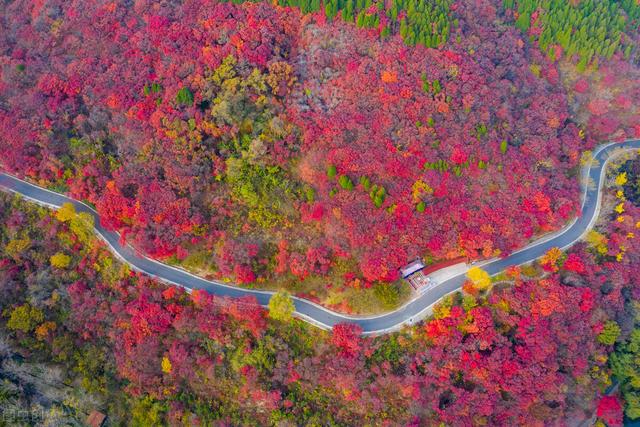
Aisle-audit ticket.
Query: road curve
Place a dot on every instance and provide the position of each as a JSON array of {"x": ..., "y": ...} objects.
[{"x": 317, "y": 315}]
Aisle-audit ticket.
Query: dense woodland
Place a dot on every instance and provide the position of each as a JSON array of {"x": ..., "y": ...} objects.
[
  {"x": 530, "y": 347},
  {"x": 256, "y": 144},
  {"x": 317, "y": 147}
]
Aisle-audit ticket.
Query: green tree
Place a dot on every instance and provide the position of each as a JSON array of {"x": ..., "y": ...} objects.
[
  {"x": 523, "y": 22},
  {"x": 345, "y": 182},
  {"x": 365, "y": 182},
  {"x": 331, "y": 171},
  {"x": 147, "y": 412},
  {"x": 91, "y": 365},
  {"x": 609, "y": 333},
  {"x": 625, "y": 365},
  {"x": 281, "y": 306},
  {"x": 184, "y": 96},
  {"x": 266, "y": 191},
  {"x": 503, "y": 146},
  {"x": 378, "y": 194}
]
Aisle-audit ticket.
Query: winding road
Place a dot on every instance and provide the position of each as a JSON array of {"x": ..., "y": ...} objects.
[{"x": 413, "y": 311}]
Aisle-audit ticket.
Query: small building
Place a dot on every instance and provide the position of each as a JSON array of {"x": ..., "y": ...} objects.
[
  {"x": 413, "y": 274},
  {"x": 96, "y": 419}
]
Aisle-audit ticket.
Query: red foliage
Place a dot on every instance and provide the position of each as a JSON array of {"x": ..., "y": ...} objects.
[
  {"x": 598, "y": 107},
  {"x": 522, "y": 355},
  {"x": 244, "y": 274},
  {"x": 151, "y": 164},
  {"x": 347, "y": 338},
  {"x": 610, "y": 410},
  {"x": 581, "y": 86},
  {"x": 574, "y": 263},
  {"x": 604, "y": 99}
]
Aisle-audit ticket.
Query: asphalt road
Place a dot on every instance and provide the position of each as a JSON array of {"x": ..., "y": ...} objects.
[{"x": 409, "y": 313}]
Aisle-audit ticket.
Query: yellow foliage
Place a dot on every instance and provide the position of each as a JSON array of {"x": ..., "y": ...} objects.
[
  {"x": 620, "y": 194},
  {"x": 597, "y": 241},
  {"x": 441, "y": 311},
  {"x": 42, "y": 331},
  {"x": 24, "y": 318},
  {"x": 620, "y": 218},
  {"x": 503, "y": 305},
  {"x": 630, "y": 235},
  {"x": 586, "y": 158},
  {"x": 60, "y": 260},
  {"x": 619, "y": 257},
  {"x": 535, "y": 69},
  {"x": 419, "y": 188},
  {"x": 66, "y": 212},
  {"x": 225, "y": 71},
  {"x": 55, "y": 297},
  {"x": 281, "y": 307},
  {"x": 620, "y": 208},
  {"x": 551, "y": 258},
  {"x": 280, "y": 77},
  {"x": 17, "y": 246},
  {"x": 479, "y": 278},
  {"x": 82, "y": 226},
  {"x": 166, "y": 365},
  {"x": 621, "y": 179}
]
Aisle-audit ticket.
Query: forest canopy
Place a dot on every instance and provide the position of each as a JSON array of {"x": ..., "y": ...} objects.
[
  {"x": 314, "y": 147},
  {"x": 252, "y": 143}
]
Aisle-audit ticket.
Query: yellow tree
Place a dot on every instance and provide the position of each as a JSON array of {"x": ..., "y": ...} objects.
[
  {"x": 60, "y": 260},
  {"x": 442, "y": 309},
  {"x": 25, "y": 318},
  {"x": 17, "y": 246},
  {"x": 597, "y": 241},
  {"x": 166, "y": 365},
  {"x": 66, "y": 212},
  {"x": 281, "y": 306},
  {"x": 480, "y": 278},
  {"x": 82, "y": 226},
  {"x": 551, "y": 258},
  {"x": 621, "y": 179}
]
